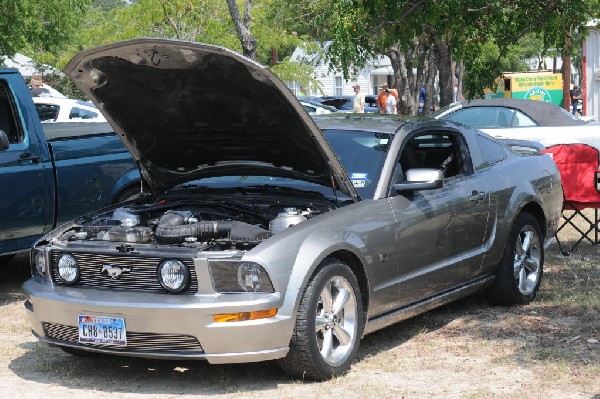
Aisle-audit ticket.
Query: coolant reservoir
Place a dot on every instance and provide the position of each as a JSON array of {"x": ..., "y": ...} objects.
[{"x": 285, "y": 219}]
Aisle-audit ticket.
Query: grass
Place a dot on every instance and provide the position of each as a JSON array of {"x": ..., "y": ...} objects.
[{"x": 467, "y": 349}]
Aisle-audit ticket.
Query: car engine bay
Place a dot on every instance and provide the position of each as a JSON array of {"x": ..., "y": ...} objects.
[{"x": 203, "y": 225}]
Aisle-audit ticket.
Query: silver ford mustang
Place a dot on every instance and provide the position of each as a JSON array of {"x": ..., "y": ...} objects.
[{"x": 272, "y": 235}]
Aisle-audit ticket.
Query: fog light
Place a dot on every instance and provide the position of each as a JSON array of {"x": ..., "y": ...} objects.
[
  {"x": 68, "y": 269},
  {"x": 173, "y": 275}
]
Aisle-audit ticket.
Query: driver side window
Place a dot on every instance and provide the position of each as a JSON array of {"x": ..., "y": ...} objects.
[
  {"x": 436, "y": 150},
  {"x": 7, "y": 115}
]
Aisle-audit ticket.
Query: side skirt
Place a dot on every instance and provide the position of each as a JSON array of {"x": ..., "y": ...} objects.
[{"x": 407, "y": 312}]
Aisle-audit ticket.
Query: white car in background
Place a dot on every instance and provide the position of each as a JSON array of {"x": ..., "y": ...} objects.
[
  {"x": 315, "y": 108},
  {"x": 54, "y": 109},
  {"x": 517, "y": 119}
]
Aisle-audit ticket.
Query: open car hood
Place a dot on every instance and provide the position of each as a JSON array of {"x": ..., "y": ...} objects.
[{"x": 189, "y": 110}]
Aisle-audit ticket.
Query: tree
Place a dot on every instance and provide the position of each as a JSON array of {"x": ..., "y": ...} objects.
[
  {"x": 452, "y": 31},
  {"x": 43, "y": 25},
  {"x": 206, "y": 21},
  {"x": 242, "y": 25}
]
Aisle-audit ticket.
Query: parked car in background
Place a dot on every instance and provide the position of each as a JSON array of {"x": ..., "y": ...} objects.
[
  {"x": 344, "y": 103},
  {"x": 316, "y": 108},
  {"x": 53, "y": 172},
  {"x": 54, "y": 109},
  {"x": 519, "y": 119},
  {"x": 271, "y": 234}
]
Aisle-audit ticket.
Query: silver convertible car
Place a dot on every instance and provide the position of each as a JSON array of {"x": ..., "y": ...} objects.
[{"x": 271, "y": 235}]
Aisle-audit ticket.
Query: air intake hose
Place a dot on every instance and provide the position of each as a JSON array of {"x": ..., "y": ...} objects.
[{"x": 175, "y": 234}]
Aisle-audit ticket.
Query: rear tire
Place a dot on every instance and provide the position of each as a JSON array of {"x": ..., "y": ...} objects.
[
  {"x": 329, "y": 325},
  {"x": 519, "y": 275}
]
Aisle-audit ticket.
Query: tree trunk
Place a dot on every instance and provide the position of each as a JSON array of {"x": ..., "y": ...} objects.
[
  {"x": 398, "y": 62},
  {"x": 242, "y": 26},
  {"x": 444, "y": 63},
  {"x": 430, "y": 83}
]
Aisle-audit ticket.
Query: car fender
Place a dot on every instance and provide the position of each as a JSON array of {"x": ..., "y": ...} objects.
[
  {"x": 524, "y": 195},
  {"x": 292, "y": 256},
  {"x": 310, "y": 252},
  {"x": 132, "y": 177}
]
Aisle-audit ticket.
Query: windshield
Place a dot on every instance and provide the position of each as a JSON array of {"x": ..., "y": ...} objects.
[{"x": 362, "y": 154}]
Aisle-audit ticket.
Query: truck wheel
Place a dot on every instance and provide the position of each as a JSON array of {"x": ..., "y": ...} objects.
[
  {"x": 520, "y": 272},
  {"x": 329, "y": 325}
]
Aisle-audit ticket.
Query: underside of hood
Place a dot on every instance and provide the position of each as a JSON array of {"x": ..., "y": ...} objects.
[{"x": 189, "y": 110}]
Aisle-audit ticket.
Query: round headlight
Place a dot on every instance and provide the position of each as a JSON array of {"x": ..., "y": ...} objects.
[
  {"x": 250, "y": 276},
  {"x": 173, "y": 275},
  {"x": 68, "y": 269}
]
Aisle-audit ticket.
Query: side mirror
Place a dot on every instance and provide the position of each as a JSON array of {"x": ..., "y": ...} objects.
[
  {"x": 421, "y": 179},
  {"x": 4, "y": 143}
]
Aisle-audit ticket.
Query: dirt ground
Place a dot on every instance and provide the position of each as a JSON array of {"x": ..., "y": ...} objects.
[{"x": 468, "y": 349}]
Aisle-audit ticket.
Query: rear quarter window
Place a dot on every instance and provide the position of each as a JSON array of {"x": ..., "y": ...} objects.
[{"x": 491, "y": 151}]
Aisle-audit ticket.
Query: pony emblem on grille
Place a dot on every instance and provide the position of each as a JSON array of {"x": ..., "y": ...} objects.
[{"x": 114, "y": 272}]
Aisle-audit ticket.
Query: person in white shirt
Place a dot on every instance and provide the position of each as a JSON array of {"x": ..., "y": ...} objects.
[
  {"x": 390, "y": 103},
  {"x": 359, "y": 100}
]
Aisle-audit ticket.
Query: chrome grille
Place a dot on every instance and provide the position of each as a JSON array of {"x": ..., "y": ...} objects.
[
  {"x": 139, "y": 342},
  {"x": 142, "y": 277}
]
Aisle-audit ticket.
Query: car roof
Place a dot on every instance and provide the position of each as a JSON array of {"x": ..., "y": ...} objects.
[
  {"x": 381, "y": 123},
  {"x": 543, "y": 113},
  {"x": 63, "y": 101}
]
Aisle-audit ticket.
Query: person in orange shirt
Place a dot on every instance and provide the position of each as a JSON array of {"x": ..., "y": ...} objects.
[{"x": 382, "y": 98}]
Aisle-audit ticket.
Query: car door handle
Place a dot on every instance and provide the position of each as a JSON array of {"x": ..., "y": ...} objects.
[
  {"x": 26, "y": 157},
  {"x": 477, "y": 196}
]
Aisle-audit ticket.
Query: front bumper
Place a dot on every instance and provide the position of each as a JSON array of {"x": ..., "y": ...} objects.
[{"x": 159, "y": 323}]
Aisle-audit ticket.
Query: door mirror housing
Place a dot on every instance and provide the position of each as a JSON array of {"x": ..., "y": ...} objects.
[{"x": 421, "y": 179}]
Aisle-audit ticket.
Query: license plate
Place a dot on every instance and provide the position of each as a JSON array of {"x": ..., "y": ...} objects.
[{"x": 102, "y": 330}]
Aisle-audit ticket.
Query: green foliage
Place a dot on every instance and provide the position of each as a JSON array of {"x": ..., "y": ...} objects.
[
  {"x": 206, "y": 21},
  {"x": 42, "y": 25},
  {"x": 290, "y": 71}
]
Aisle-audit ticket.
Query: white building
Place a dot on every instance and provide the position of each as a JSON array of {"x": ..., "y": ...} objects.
[
  {"x": 591, "y": 72},
  {"x": 27, "y": 67},
  {"x": 375, "y": 73}
]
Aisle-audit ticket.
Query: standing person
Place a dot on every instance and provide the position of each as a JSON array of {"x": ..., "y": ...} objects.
[
  {"x": 359, "y": 100},
  {"x": 382, "y": 98},
  {"x": 36, "y": 87},
  {"x": 575, "y": 95},
  {"x": 455, "y": 94},
  {"x": 421, "y": 99},
  {"x": 394, "y": 92},
  {"x": 390, "y": 102}
]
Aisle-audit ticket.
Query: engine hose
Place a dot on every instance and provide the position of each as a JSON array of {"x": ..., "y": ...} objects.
[{"x": 203, "y": 229}]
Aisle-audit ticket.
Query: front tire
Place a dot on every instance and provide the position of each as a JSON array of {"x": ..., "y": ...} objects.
[
  {"x": 329, "y": 325},
  {"x": 520, "y": 272}
]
